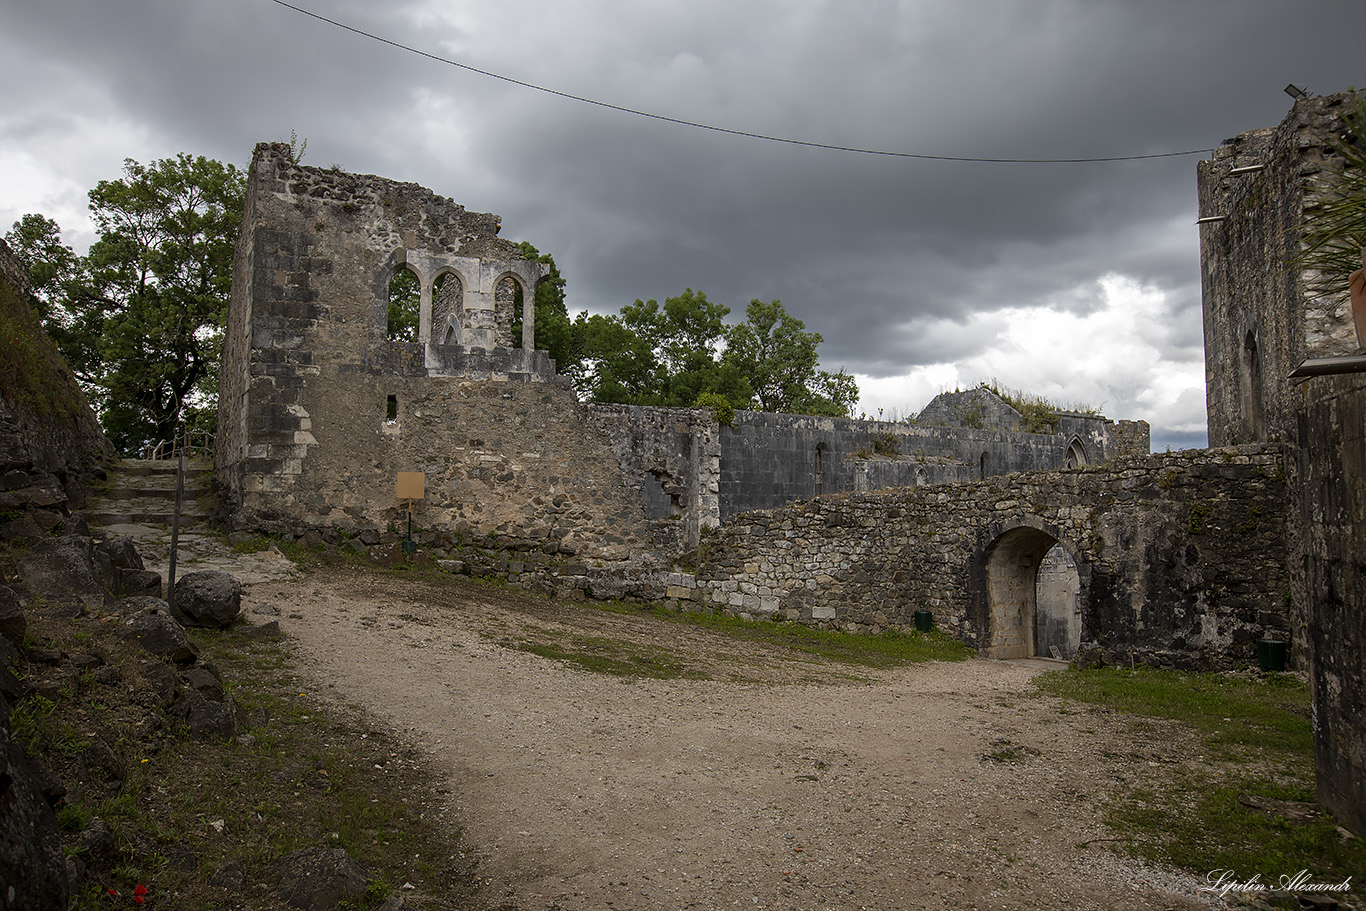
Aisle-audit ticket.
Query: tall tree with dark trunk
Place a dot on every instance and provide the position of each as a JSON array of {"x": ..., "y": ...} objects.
[{"x": 141, "y": 316}]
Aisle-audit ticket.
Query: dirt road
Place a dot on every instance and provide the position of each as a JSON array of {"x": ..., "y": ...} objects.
[{"x": 758, "y": 779}]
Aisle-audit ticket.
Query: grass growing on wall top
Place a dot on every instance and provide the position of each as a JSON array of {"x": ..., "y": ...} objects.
[{"x": 33, "y": 376}]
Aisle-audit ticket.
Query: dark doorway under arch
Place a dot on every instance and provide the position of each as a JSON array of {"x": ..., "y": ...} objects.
[{"x": 1033, "y": 596}]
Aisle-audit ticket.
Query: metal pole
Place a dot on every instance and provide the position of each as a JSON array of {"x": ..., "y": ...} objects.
[{"x": 175, "y": 529}]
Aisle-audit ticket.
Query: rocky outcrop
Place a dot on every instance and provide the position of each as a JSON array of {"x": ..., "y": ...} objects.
[{"x": 70, "y": 578}]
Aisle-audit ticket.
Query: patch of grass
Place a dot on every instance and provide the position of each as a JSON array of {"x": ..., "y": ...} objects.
[
  {"x": 1255, "y": 740},
  {"x": 618, "y": 657},
  {"x": 887, "y": 649},
  {"x": 1008, "y": 753},
  {"x": 1235, "y": 713}
]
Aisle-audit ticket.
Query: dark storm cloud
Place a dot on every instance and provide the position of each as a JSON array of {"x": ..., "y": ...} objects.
[{"x": 893, "y": 260}]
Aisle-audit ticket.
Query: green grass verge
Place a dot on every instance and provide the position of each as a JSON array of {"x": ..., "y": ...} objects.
[
  {"x": 617, "y": 657},
  {"x": 890, "y": 648},
  {"x": 1255, "y": 742}
]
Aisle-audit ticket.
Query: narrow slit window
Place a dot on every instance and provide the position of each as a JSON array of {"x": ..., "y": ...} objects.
[{"x": 391, "y": 409}]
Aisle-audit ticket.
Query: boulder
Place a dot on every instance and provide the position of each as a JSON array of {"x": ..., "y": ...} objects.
[
  {"x": 32, "y": 865},
  {"x": 209, "y": 598},
  {"x": 22, "y": 530},
  {"x": 134, "y": 582},
  {"x": 151, "y": 626},
  {"x": 60, "y": 570},
  {"x": 75, "y": 524},
  {"x": 95, "y": 847},
  {"x": 206, "y": 720},
  {"x": 318, "y": 879},
  {"x": 121, "y": 552},
  {"x": 119, "y": 568}
]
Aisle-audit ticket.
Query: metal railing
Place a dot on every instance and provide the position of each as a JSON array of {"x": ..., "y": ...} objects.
[{"x": 194, "y": 445}]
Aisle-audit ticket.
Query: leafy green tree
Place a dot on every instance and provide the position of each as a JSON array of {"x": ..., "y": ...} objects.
[
  {"x": 773, "y": 350},
  {"x": 54, "y": 270},
  {"x": 554, "y": 331},
  {"x": 660, "y": 355},
  {"x": 405, "y": 298},
  {"x": 142, "y": 313},
  {"x": 37, "y": 241}
]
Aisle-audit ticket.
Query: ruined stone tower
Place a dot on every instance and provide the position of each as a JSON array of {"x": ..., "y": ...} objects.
[{"x": 321, "y": 405}]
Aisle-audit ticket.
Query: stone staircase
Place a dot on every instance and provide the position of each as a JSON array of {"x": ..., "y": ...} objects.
[{"x": 142, "y": 492}]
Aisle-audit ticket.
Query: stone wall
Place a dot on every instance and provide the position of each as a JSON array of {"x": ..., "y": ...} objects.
[
  {"x": 1180, "y": 557},
  {"x": 978, "y": 407},
  {"x": 770, "y": 459},
  {"x": 673, "y": 456},
  {"x": 1259, "y": 321},
  {"x": 1328, "y": 534}
]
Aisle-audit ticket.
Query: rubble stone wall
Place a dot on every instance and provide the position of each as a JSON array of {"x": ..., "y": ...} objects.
[
  {"x": 1328, "y": 534},
  {"x": 770, "y": 459},
  {"x": 1260, "y": 320},
  {"x": 50, "y": 441},
  {"x": 1181, "y": 556}
]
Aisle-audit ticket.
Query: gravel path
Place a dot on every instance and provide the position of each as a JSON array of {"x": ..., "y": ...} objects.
[{"x": 774, "y": 783}]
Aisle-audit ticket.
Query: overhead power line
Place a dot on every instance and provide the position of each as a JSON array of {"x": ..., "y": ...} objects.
[{"x": 712, "y": 127}]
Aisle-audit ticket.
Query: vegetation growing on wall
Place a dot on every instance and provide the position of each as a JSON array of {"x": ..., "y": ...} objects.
[
  {"x": 1333, "y": 231},
  {"x": 32, "y": 375},
  {"x": 1040, "y": 413}
]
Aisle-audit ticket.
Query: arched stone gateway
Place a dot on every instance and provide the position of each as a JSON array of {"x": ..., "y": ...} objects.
[{"x": 1034, "y": 593}]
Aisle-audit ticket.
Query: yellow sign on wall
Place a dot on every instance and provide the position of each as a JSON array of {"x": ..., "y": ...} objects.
[{"x": 412, "y": 485}]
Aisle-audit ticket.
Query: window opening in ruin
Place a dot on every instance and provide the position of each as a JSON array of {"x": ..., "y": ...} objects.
[
  {"x": 515, "y": 328},
  {"x": 921, "y": 478},
  {"x": 1252, "y": 389},
  {"x": 662, "y": 494},
  {"x": 448, "y": 305},
  {"x": 820, "y": 468},
  {"x": 1033, "y": 597},
  {"x": 507, "y": 297},
  {"x": 983, "y": 464},
  {"x": 1076, "y": 455},
  {"x": 391, "y": 409},
  {"x": 405, "y": 296}
]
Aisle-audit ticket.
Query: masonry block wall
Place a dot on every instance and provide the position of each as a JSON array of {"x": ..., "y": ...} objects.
[
  {"x": 1329, "y": 540},
  {"x": 770, "y": 459},
  {"x": 672, "y": 457},
  {"x": 1259, "y": 320},
  {"x": 1180, "y": 557},
  {"x": 319, "y": 409}
]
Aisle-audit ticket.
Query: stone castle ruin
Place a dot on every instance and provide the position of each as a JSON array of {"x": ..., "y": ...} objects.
[
  {"x": 1074, "y": 541},
  {"x": 1020, "y": 543},
  {"x": 321, "y": 406}
]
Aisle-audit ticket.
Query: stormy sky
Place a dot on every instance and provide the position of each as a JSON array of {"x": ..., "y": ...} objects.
[{"x": 1079, "y": 281}]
